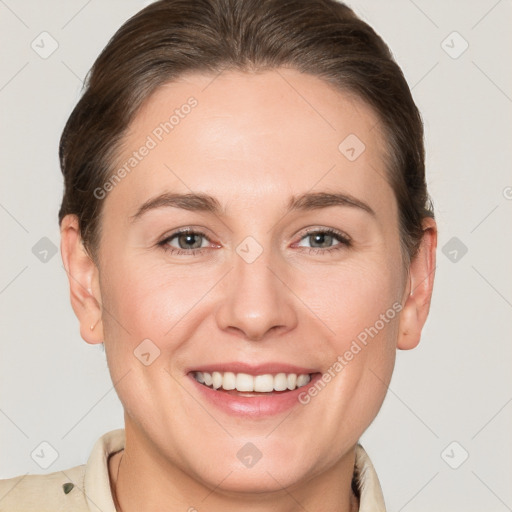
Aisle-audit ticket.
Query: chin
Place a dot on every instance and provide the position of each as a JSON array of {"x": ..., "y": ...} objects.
[{"x": 269, "y": 478}]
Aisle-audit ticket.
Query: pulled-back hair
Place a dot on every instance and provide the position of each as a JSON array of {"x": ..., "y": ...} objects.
[{"x": 168, "y": 38}]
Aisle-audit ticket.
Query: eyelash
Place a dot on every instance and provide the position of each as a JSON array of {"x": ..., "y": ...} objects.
[{"x": 343, "y": 239}]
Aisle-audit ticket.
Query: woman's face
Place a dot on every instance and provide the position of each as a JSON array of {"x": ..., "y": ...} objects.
[{"x": 296, "y": 271}]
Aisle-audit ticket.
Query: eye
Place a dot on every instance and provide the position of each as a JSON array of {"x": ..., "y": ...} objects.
[
  {"x": 186, "y": 241},
  {"x": 190, "y": 242},
  {"x": 323, "y": 240}
]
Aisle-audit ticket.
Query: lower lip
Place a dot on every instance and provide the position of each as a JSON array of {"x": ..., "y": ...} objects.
[{"x": 254, "y": 406}]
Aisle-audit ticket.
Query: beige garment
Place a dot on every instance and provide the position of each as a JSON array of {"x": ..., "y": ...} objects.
[{"x": 88, "y": 485}]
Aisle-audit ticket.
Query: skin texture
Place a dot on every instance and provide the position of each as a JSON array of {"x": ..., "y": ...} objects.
[{"x": 252, "y": 141}]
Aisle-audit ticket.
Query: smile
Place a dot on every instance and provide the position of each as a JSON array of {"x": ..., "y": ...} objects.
[
  {"x": 253, "y": 391},
  {"x": 245, "y": 383}
]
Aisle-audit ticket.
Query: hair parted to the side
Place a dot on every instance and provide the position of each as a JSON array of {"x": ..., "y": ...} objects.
[{"x": 172, "y": 37}]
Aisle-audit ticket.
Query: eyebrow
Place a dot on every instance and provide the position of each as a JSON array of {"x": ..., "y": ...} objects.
[{"x": 198, "y": 202}]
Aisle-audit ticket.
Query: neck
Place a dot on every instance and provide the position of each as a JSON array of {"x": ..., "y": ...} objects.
[{"x": 145, "y": 482}]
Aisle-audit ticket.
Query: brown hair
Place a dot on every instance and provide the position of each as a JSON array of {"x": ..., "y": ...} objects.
[{"x": 171, "y": 37}]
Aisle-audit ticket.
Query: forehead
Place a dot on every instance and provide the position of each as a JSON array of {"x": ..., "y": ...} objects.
[{"x": 257, "y": 136}]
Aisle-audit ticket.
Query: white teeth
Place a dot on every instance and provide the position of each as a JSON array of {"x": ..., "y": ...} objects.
[
  {"x": 244, "y": 382},
  {"x": 207, "y": 378},
  {"x": 229, "y": 381},
  {"x": 291, "y": 381},
  {"x": 302, "y": 380},
  {"x": 264, "y": 383},
  {"x": 247, "y": 383},
  {"x": 216, "y": 380},
  {"x": 280, "y": 382}
]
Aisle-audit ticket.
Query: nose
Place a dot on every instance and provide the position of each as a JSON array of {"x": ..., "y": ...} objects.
[{"x": 256, "y": 303}]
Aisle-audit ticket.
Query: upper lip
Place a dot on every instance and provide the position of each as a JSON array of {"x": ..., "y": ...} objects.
[{"x": 253, "y": 369}]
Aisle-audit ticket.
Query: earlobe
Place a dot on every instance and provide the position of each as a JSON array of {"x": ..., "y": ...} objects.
[
  {"x": 418, "y": 293},
  {"x": 83, "y": 276}
]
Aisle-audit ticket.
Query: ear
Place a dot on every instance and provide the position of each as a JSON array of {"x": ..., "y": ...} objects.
[
  {"x": 418, "y": 292},
  {"x": 83, "y": 278}
]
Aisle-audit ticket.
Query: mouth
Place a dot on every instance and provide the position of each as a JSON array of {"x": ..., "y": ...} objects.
[
  {"x": 247, "y": 385},
  {"x": 253, "y": 391}
]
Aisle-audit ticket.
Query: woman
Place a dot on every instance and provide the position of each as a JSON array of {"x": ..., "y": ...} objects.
[{"x": 246, "y": 227}]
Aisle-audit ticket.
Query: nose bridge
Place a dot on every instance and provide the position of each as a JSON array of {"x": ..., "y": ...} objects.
[{"x": 256, "y": 300}]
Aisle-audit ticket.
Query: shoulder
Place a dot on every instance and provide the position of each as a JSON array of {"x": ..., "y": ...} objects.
[
  {"x": 58, "y": 491},
  {"x": 82, "y": 488}
]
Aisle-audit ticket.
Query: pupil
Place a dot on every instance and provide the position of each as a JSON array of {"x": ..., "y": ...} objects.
[
  {"x": 321, "y": 239},
  {"x": 188, "y": 240}
]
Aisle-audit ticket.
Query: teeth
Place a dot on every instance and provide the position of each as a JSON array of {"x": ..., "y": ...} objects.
[
  {"x": 247, "y": 383},
  {"x": 216, "y": 380},
  {"x": 244, "y": 382},
  {"x": 281, "y": 381},
  {"x": 263, "y": 383},
  {"x": 291, "y": 381},
  {"x": 229, "y": 381},
  {"x": 302, "y": 380}
]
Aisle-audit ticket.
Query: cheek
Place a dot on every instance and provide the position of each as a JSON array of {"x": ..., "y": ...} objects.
[
  {"x": 353, "y": 299},
  {"x": 361, "y": 310},
  {"x": 156, "y": 302},
  {"x": 146, "y": 313},
  {"x": 360, "y": 306}
]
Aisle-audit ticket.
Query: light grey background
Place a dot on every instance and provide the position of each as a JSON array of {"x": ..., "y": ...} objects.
[{"x": 456, "y": 386}]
